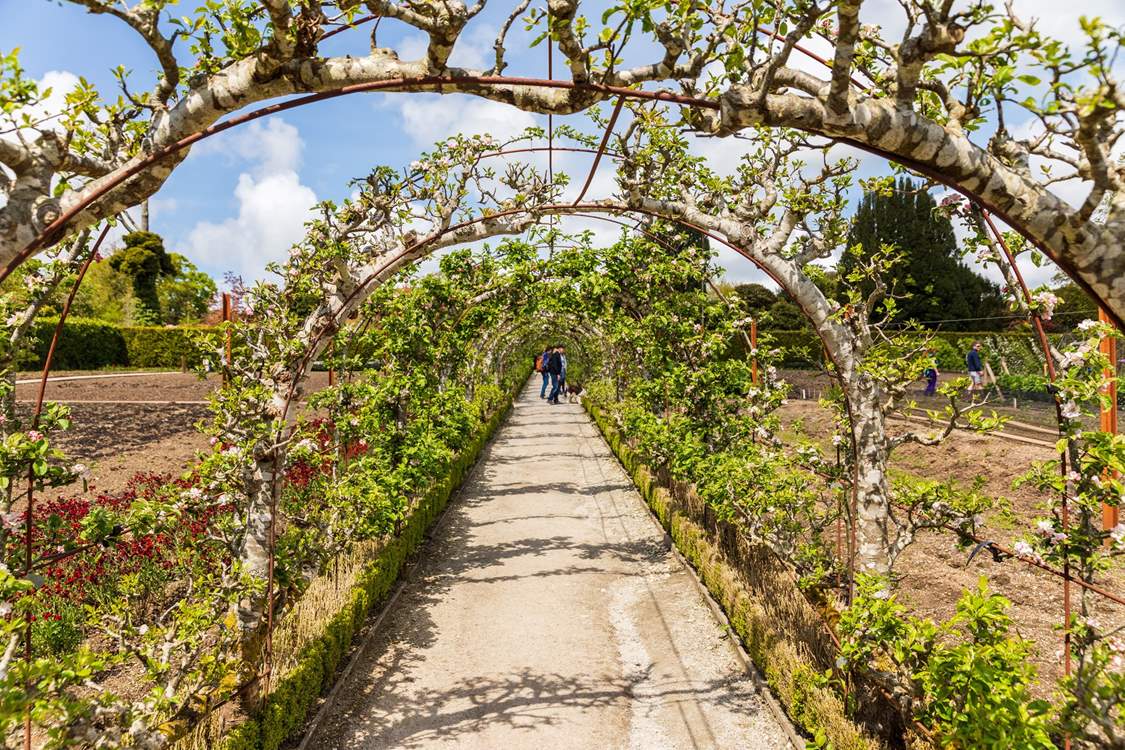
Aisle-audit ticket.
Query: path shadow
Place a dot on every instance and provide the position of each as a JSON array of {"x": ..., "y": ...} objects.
[
  {"x": 405, "y": 717},
  {"x": 381, "y": 707}
]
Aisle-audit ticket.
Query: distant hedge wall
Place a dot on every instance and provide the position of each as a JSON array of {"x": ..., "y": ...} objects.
[
  {"x": 802, "y": 349},
  {"x": 92, "y": 344}
]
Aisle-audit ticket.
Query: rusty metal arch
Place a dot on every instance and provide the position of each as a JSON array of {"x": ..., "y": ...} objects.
[{"x": 52, "y": 233}]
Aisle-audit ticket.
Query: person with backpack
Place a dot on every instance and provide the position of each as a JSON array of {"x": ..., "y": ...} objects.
[
  {"x": 541, "y": 367},
  {"x": 554, "y": 368}
]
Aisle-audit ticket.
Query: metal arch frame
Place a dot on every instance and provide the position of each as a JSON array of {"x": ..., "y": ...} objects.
[
  {"x": 52, "y": 233},
  {"x": 389, "y": 263}
]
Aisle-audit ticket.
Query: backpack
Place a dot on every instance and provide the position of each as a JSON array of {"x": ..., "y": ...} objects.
[{"x": 540, "y": 365}]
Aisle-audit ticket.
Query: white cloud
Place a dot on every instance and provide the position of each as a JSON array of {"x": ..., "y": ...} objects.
[
  {"x": 273, "y": 205},
  {"x": 427, "y": 119},
  {"x": 273, "y": 144},
  {"x": 59, "y": 83},
  {"x": 271, "y": 215}
]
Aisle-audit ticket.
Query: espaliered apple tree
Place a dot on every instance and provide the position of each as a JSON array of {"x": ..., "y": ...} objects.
[
  {"x": 975, "y": 95},
  {"x": 783, "y": 217}
]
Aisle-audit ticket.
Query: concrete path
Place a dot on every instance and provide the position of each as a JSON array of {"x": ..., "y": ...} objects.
[{"x": 547, "y": 613}]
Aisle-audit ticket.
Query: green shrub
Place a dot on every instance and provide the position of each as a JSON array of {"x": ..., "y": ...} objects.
[
  {"x": 83, "y": 345},
  {"x": 92, "y": 344},
  {"x": 166, "y": 347}
]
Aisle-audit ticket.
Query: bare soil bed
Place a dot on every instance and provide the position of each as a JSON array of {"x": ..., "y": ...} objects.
[
  {"x": 935, "y": 572},
  {"x": 810, "y": 384},
  {"x": 129, "y": 423}
]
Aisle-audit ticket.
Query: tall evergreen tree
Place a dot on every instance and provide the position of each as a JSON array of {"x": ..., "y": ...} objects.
[
  {"x": 145, "y": 261},
  {"x": 937, "y": 284}
]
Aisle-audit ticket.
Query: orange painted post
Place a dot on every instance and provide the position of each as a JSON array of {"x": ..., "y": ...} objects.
[
  {"x": 228, "y": 315},
  {"x": 1110, "y": 514},
  {"x": 754, "y": 348}
]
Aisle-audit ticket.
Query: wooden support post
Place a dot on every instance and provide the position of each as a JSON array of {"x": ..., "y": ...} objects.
[
  {"x": 754, "y": 348},
  {"x": 228, "y": 316},
  {"x": 1110, "y": 514}
]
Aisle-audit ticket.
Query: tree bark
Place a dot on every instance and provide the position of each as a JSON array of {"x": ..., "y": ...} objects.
[{"x": 877, "y": 534}]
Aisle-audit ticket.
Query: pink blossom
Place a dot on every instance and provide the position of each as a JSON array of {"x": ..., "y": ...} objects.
[{"x": 34, "y": 435}]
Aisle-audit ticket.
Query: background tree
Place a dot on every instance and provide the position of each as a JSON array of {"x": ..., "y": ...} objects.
[
  {"x": 105, "y": 294},
  {"x": 187, "y": 294},
  {"x": 785, "y": 315},
  {"x": 755, "y": 297},
  {"x": 937, "y": 285},
  {"x": 1074, "y": 304},
  {"x": 144, "y": 260}
]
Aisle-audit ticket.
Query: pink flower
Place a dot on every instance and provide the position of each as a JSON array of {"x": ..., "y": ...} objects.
[{"x": 34, "y": 435}]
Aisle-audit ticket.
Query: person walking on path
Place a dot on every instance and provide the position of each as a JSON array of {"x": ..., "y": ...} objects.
[
  {"x": 931, "y": 374},
  {"x": 543, "y": 358},
  {"x": 562, "y": 371},
  {"x": 554, "y": 367},
  {"x": 976, "y": 368}
]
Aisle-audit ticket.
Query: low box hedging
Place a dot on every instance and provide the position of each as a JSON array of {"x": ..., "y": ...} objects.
[
  {"x": 791, "y": 667},
  {"x": 287, "y": 707}
]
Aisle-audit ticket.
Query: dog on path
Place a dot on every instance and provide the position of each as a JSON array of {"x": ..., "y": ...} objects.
[{"x": 574, "y": 393}]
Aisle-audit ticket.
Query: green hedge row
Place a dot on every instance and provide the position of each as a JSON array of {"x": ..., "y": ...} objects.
[
  {"x": 288, "y": 706},
  {"x": 93, "y": 344},
  {"x": 802, "y": 349},
  {"x": 792, "y": 675}
]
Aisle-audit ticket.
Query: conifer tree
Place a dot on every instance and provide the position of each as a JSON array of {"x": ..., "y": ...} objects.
[{"x": 940, "y": 290}]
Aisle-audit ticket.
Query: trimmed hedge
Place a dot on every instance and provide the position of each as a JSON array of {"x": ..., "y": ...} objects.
[
  {"x": 167, "y": 347},
  {"x": 93, "y": 344},
  {"x": 288, "y": 706},
  {"x": 790, "y": 664},
  {"x": 802, "y": 349},
  {"x": 83, "y": 345}
]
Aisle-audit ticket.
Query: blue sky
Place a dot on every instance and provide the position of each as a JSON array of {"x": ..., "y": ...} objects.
[{"x": 240, "y": 198}]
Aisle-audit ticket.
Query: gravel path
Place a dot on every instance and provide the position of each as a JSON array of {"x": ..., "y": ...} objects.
[{"x": 548, "y": 613}]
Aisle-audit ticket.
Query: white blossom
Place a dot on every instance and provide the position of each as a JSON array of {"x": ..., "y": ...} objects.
[{"x": 1026, "y": 551}]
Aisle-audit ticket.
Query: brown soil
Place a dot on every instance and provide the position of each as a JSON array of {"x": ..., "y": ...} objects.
[
  {"x": 811, "y": 384},
  {"x": 935, "y": 572},
  {"x": 122, "y": 426}
]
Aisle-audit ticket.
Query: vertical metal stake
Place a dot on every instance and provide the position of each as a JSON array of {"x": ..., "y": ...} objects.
[
  {"x": 227, "y": 317},
  {"x": 754, "y": 347},
  {"x": 1110, "y": 513}
]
